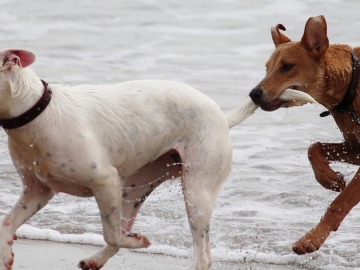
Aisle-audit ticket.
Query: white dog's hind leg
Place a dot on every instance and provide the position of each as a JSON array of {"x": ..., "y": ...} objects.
[
  {"x": 140, "y": 185},
  {"x": 201, "y": 183},
  {"x": 199, "y": 208}
]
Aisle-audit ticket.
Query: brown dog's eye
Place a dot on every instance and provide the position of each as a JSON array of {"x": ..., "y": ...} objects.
[{"x": 286, "y": 67}]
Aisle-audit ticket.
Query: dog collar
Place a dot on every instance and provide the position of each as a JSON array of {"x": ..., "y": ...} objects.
[
  {"x": 350, "y": 93},
  {"x": 30, "y": 114}
]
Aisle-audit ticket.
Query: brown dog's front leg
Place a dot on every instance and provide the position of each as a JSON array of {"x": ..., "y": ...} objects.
[
  {"x": 320, "y": 156},
  {"x": 334, "y": 215}
]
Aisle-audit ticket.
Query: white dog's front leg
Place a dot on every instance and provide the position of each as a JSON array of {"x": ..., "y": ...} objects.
[
  {"x": 34, "y": 197},
  {"x": 108, "y": 195}
]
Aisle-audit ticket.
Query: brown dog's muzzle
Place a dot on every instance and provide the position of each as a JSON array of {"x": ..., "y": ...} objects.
[{"x": 256, "y": 96}]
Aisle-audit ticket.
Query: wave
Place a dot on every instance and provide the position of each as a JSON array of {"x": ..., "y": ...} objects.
[{"x": 318, "y": 260}]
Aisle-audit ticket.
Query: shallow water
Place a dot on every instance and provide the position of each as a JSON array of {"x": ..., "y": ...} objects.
[{"x": 219, "y": 47}]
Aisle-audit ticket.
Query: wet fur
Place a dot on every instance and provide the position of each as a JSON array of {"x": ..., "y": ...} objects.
[{"x": 324, "y": 71}]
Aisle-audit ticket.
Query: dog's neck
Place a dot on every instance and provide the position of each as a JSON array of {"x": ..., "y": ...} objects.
[
  {"x": 22, "y": 89},
  {"x": 337, "y": 74}
]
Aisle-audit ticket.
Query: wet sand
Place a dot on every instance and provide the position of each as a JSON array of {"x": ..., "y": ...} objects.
[{"x": 45, "y": 255}]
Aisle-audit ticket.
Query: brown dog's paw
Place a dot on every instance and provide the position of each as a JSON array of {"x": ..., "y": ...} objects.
[
  {"x": 334, "y": 181},
  {"x": 311, "y": 241},
  {"x": 304, "y": 246},
  {"x": 338, "y": 183}
]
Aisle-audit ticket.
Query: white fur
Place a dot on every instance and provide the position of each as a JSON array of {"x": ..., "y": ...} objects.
[
  {"x": 113, "y": 142},
  {"x": 237, "y": 115}
]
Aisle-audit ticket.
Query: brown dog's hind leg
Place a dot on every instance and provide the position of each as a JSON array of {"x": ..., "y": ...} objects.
[
  {"x": 334, "y": 215},
  {"x": 320, "y": 156}
]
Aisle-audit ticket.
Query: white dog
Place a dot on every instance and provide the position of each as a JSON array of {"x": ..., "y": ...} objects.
[{"x": 114, "y": 142}]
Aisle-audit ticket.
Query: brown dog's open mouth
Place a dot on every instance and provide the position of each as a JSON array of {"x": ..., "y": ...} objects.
[
  {"x": 288, "y": 95},
  {"x": 273, "y": 105}
]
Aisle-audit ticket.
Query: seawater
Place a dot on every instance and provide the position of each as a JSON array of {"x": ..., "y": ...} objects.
[{"x": 219, "y": 47}]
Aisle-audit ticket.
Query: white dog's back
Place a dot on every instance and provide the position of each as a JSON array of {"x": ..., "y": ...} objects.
[{"x": 149, "y": 114}]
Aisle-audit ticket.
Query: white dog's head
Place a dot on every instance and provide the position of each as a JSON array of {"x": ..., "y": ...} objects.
[{"x": 11, "y": 63}]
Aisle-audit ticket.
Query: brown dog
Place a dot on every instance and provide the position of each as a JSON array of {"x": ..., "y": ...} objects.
[{"x": 330, "y": 74}]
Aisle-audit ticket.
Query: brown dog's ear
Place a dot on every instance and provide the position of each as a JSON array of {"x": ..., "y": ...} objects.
[
  {"x": 277, "y": 36},
  {"x": 315, "y": 35}
]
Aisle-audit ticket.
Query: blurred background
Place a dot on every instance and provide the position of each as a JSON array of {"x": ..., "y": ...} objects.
[{"x": 219, "y": 47}]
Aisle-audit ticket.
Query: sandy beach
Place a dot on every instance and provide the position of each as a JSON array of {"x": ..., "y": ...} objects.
[{"x": 44, "y": 255}]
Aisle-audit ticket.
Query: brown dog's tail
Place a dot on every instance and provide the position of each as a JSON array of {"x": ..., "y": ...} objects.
[{"x": 239, "y": 114}]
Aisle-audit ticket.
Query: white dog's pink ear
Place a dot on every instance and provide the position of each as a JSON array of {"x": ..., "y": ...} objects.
[{"x": 21, "y": 58}]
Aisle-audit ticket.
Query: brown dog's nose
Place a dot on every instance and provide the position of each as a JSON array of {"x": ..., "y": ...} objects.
[{"x": 256, "y": 95}]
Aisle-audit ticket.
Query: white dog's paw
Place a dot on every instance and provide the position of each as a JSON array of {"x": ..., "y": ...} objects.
[
  {"x": 98, "y": 260},
  {"x": 89, "y": 265},
  {"x": 137, "y": 241},
  {"x": 7, "y": 255}
]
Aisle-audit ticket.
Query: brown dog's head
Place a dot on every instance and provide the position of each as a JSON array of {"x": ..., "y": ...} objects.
[{"x": 295, "y": 65}]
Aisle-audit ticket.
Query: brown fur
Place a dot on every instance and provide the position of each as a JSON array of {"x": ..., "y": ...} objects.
[{"x": 323, "y": 71}]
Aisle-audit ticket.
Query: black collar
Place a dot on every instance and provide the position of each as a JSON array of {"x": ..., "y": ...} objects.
[
  {"x": 345, "y": 104},
  {"x": 30, "y": 114}
]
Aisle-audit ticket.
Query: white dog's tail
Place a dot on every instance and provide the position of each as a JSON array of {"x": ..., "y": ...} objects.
[{"x": 237, "y": 115}]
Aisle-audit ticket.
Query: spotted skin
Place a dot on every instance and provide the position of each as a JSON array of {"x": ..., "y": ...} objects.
[{"x": 116, "y": 143}]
